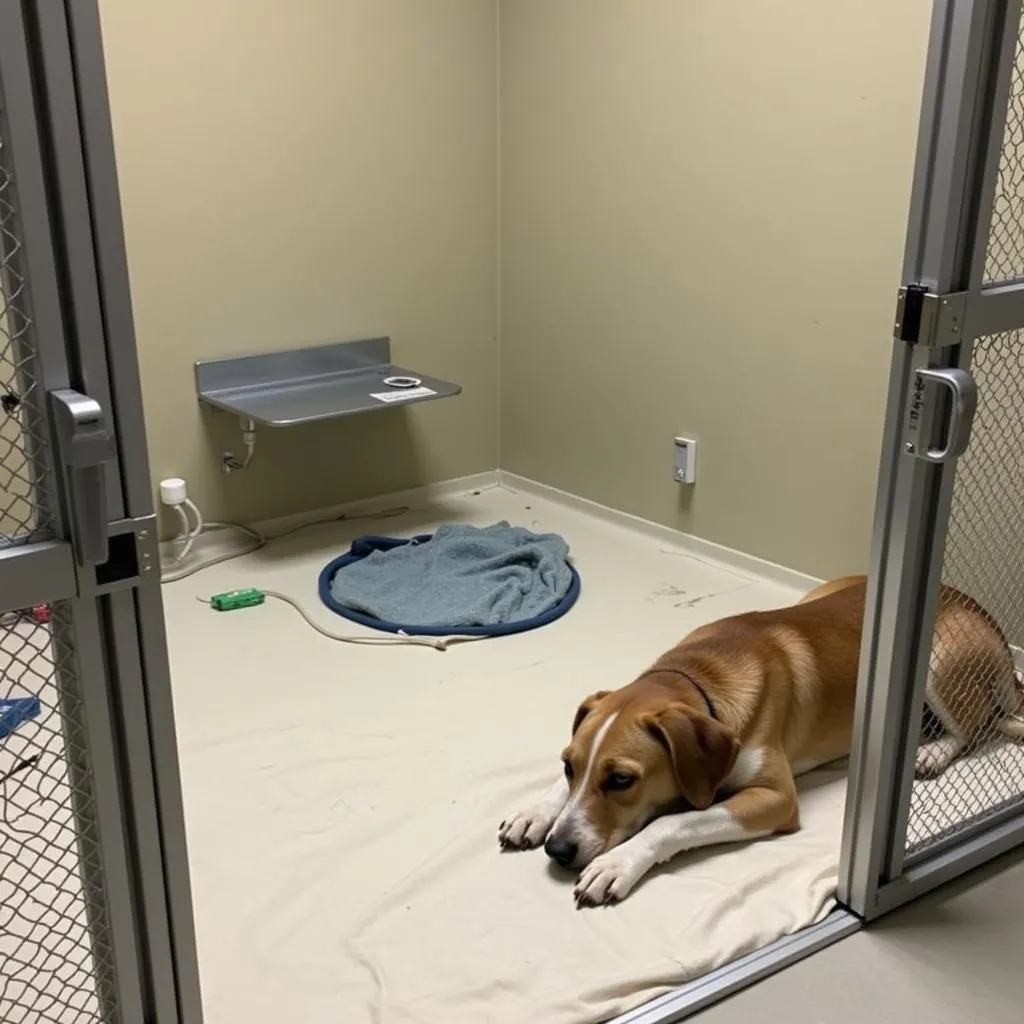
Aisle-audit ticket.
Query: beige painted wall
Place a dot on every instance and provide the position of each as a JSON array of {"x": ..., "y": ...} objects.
[
  {"x": 703, "y": 213},
  {"x": 303, "y": 172}
]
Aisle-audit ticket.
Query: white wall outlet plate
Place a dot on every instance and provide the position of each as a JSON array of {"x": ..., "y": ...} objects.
[{"x": 685, "y": 471}]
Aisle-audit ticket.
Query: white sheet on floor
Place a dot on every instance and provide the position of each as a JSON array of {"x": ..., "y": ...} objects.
[
  {"x": 343, "y": 802},
  {"x": 980, "y": 783}
]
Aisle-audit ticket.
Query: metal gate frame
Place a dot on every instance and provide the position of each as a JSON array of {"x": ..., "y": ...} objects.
[
  {"x": 944, "y": 305},
  {"x": 104, "y": 570},
  {"x": 56, "y": 89}
]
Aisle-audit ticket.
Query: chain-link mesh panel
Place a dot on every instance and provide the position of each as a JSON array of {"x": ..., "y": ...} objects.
[
  {"x": 1004, "y": 256},
  {"x": 55, "y": 962},
  {"x": 23, "y": 446},
  {"x": 974, "y": 720}
]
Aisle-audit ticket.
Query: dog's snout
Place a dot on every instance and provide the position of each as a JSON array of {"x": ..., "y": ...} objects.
[{"x": 561, "y": 851}]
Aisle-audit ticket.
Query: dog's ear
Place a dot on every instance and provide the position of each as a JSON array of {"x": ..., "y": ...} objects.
[
  {"x": 586, "y": 707},
  {"x": 702, "y": 751}
]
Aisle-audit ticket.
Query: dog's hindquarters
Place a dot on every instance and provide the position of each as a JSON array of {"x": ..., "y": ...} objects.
[{"x": 972, "y": 687}]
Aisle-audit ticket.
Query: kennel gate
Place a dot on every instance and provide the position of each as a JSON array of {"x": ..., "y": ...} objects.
[
  {"x": 951, "y": 492},
  {"x": 95, "y": 913}
]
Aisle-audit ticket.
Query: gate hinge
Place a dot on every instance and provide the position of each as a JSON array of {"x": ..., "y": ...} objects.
[{"x": 927, "y": 319}]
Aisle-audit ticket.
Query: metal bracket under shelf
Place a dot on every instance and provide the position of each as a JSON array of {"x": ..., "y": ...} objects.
[{"x": 306, "y": 385}]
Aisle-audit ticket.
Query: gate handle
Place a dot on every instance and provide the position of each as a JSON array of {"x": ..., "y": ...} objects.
[
  {"x": 85, "y": 445},
  {"x": 963, "y": 395}
]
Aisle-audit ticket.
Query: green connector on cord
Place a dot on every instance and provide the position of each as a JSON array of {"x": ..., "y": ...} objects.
[{"x": 232, "y": 599}]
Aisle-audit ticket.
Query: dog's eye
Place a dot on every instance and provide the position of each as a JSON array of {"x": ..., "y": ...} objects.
[
  {"x": 619, "y": 780},
  {"x": 568, "y": 770}
]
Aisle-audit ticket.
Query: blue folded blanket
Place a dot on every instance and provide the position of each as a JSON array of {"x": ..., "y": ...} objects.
[{"x": 461, "y": 576}]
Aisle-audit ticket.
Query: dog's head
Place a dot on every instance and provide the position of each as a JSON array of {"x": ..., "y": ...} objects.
[{"x": 633, "y": 756}]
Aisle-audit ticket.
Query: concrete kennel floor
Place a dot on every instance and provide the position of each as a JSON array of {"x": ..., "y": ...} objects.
[
  {"x": 266, "y": 866},
  {"x": 342, "y": 802},
  {"x": 951, "y": 957}
]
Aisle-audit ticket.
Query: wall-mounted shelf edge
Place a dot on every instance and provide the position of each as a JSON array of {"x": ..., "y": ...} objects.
[{"x": 307, "y": 385}]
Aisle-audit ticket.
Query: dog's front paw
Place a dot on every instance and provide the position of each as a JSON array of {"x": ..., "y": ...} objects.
[
  {"x": 527, "y": 829},
  {"x": 610, "y": 877}
]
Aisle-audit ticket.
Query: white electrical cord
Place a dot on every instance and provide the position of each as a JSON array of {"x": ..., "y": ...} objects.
[
  {"x": 194, "y": 533},
  {"x": 189, "y": 533},
  {"x": 441, "y": 643},
  {"x": 260, "y": 540},
  {"x": 185, "y": 537},
  {"x": 194, "y": 509},
  {"x": 212, "y": 524},
  {"x": 173, "y": 575}
]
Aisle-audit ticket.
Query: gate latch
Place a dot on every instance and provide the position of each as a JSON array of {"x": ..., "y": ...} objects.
[
  {"x": 927, "y": 319},
  {"x": 85, "y": 445}
]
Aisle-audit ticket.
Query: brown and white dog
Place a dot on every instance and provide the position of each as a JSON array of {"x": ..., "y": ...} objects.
[{"x": 703, "y": 746}]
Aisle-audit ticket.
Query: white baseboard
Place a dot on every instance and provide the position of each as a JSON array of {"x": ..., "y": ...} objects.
[
  {"x": 696, "y": 546},
  {"x": 412, "y": 497},
  {"x": 216, "y": 542}
]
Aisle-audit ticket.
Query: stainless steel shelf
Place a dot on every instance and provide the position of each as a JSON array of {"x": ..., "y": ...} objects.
[{"x": 324, "y": 382}]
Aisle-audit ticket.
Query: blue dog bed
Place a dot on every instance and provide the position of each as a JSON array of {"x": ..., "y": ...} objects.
[{"x": 363, "y": 547}]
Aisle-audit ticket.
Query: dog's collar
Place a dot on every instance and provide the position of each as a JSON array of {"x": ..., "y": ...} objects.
[{"x": 693, "y": 682}]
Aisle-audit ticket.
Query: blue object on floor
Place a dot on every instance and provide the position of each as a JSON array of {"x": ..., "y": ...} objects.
[
  {"x": 465, "y": 580},
  {"x": 15, "y": 712}
]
